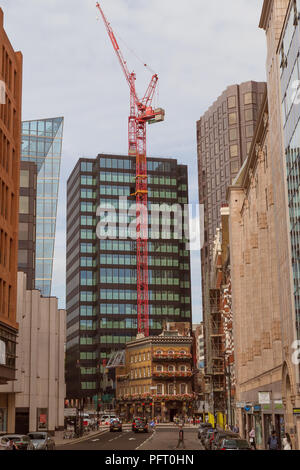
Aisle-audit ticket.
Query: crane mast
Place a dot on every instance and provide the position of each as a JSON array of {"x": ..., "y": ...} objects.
[{"x": 141, "y": 112}]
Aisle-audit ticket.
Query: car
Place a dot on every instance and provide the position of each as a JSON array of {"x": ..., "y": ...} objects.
[
  {"x": 140, "y": 425},
  {"x": 202, "y": 427},
  {"x": 220, "y": 435},
  {"x": 115, "y": 425},
  {"x": 22, "y": 441},
  {"x": 106, "y": 419},
  {"x": 204, "y": 433},
  {"x": 42, "y": 440},
  {"x": 230, "y": 443}
]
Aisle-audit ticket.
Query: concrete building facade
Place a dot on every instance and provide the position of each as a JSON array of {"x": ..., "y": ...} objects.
[
  {"x": 38, "y": 393},
  {"x": 10, "y": 134}
]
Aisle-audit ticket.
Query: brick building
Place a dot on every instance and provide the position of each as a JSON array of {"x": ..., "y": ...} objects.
[
  {"x": 157, "y": 377},
  {"x": 10, "y": 136}
]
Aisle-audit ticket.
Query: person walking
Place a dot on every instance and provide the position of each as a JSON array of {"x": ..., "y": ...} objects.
[
  {"x": 11, "y": 445},
  {"x": 273, "y": 441},
  {"x": 286, "y": 442},
  {"x": 180, "y": 438},
  {"x": 252, "y": 438}
]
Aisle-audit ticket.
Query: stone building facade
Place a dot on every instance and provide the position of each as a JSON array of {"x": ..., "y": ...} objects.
[
  {"x": 256, "y": 291},
  {"x": 280, "y": 20}
]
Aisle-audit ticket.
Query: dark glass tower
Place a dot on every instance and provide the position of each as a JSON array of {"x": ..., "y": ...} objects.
[
  {"x": 42, "y": 145},
  {"x": 101, "y": 274}
]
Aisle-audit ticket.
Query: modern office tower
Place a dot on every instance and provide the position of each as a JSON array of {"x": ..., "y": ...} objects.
[
  {"x": 27, "y": 222},
  {"x": 10, "y": 134},
  {"x": 42, "y": 145},
  {"x": 224, "y": 136},
  {"x": 101, "y": 273}
]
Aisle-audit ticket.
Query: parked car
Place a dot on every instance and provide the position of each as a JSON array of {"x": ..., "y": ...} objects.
[
  {"x": 22, "y": 441},
  {"x": 220, "y": 435},
  {"x": 42, "y": 440},
  {"x": 202, "y": 427},
  {"x": 234, "y": 444},
  {"x": 140, "y": 425},
  {"x": 115, "y": 425},
  {"x": 204, "y": 433},
  {"x": 106, "y": 419}
]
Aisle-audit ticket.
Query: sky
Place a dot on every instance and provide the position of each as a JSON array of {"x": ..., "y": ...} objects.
[{"x": 197, "y": 48}]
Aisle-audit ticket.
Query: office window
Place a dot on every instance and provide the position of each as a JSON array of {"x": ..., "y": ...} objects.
[
  {"x": 249, "y": 115},
  {"x": 24, "y": 178},
  {"x": 23, "y": 231},
  {"x": 231, "y": 102},
  {"x": 249, "y": 98},
  {"x": 233, "y": 134},
  {"x": 232, "y": 118},
  {"x": 233, "y": 151},
  {"x": 249, "y": 131},
  {"x": 24, "y": 205}
]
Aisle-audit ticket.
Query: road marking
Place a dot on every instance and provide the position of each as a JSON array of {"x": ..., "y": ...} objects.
[
  {"x": 149, "y": 438},
  {"x": 132, "y": 439},
  {"x": 94, "y": 440}
]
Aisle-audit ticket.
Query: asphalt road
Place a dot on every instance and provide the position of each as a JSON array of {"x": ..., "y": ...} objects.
[{"x": 164, "y": 438}]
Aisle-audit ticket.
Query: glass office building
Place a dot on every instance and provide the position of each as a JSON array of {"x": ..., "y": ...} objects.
[
  {"x": 42, "y": 144},
  {"x": 101, "y": 273},
  {"x": 290, "y": 93}
]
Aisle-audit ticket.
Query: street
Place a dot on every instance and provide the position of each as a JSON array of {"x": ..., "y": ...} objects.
[{"x": 165, "y": 437}]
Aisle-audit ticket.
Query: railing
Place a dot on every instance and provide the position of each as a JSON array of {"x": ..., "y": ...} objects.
[
  {"x": 166, "y": 374},
  {"x": 171, "y": 356}
]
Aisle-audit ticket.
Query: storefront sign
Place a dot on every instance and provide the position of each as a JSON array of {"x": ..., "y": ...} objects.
[
  {"x": 256, "y": 408},
  {"x": 2, "y": 353},
  {"x": 264, "y": 398},
  {"x": 70, "y": 411},
  {"x": 240, "y": 404},
  {"x": 296, "y": 411}
]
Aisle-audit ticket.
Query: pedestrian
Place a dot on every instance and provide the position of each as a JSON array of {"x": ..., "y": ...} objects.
[
  {"x": 286, "y": 442},
  {"x": 273, "y": 441},
  {"x": 194, "y": 420},
  {"x": 11, "y": 445},
  {"x": 252, "y": 438},
  {"x": 180, "y": 438}
]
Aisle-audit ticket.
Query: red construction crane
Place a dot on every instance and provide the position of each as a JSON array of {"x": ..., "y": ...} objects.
[{"x": 141, "y": 112}]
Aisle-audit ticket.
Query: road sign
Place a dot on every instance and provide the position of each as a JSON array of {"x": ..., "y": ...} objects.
[{"x": 70, "y": 411}]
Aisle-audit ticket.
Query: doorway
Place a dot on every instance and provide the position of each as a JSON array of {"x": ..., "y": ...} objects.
[
  {"x": 22, "y": 421},
  {"x": 173, "y": 413}
]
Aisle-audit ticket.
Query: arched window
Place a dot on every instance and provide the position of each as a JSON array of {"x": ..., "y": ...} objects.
[
  {"x": 182, "y": 369},
  {"x": 159, "y": 368},
  {"x": 171, "y": 368},
  {"x": 171, "y": 352},
  {"x": 182, "y": 389}
]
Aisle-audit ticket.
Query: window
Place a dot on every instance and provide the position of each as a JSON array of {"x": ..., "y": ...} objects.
[
  {"x": 171, "y": 368},
  {"x": 249, "y": 98},
  {"x": 182, "y": 389},
  {"x": 232, "y": 118},
  {"x": 233, "y": 151},
  {"x": 24, "y": 205},
  {"x": 234, "y": 166},
  {"x": 24, "y": 178},
  {"x": 249, "y": 115},
  {"x": 232, "y": 102},
  {"x": 159, "y": 389},
  {"x": 23, "y": 231},
  {"x": 170, "y": 352},
  {"x": 159, "y": 368},
  {"x": 249, "y": 131},
  {"x": 233, "y": 135}
]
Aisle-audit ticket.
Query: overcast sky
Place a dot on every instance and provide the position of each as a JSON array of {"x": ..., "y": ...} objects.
[{"x": 197, "y": 47}]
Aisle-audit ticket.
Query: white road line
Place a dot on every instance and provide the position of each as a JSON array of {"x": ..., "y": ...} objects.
[{"x": 149, "y": 438}]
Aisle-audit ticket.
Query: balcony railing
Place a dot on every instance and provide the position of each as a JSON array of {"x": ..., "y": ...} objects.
[
  {"x": 172, "y": 374},
  {"x": 170, "y": 356},
  {"x": 163, "y": 397}
]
